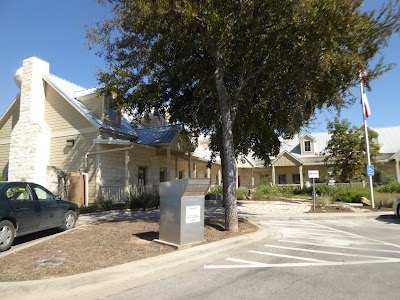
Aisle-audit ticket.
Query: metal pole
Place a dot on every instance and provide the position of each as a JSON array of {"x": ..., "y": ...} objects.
[
  {"x": 313, "y": 193},
  {"x": 371, "y": 188}
]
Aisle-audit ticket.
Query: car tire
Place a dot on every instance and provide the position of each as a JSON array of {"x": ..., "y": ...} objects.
[
  {"x": 398, "y": 210},
  {"x": 7, "y": 234},
  {"x": 69, "y": 220}
]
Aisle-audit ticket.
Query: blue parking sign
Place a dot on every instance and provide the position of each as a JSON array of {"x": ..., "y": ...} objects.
[{"x": 370, "y": 170}]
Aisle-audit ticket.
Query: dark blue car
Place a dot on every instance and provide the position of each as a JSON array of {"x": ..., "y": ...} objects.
[{"x": 28, "y": 207}]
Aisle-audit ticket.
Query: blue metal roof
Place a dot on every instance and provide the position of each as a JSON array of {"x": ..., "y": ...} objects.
[{"x": 155, "y": 136}]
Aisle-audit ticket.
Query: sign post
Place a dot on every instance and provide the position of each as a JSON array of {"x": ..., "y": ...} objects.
[
  {"x": 366, "y": 113},
  {"x": 313, "y": 174}
]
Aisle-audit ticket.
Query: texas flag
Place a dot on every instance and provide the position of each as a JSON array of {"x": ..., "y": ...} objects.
[{"x": 365, "y": 105}]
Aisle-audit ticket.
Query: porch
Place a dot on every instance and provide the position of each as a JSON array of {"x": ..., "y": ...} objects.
[{"x": 118, "y": 194}]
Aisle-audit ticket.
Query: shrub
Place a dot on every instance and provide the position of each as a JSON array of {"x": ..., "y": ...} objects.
[
  {"x": 385, "y": 199},
  {"x": 323, "y": 201},
  {"x": 105, "y": 205},
  {"x": 88, "y": 209},
  {"x": 216, "y": 190},
  {"x": 241, "y": 193},
  {"x": 350, "y": 194},
  {"x": 391, "y": 187},
  {"x": 144, "y": 201}
]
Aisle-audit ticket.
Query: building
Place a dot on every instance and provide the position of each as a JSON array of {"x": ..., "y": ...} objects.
[
  {"x": 55, "y": 129},
  {"x": 69, "y": 139}
]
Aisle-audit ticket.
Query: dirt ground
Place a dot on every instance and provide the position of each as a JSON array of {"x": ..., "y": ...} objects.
[{"x": 98, "y": 245}]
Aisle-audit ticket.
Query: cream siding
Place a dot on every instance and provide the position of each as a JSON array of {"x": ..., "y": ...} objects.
[
  {"x": 95, "y": 105},
  {"x": 286, "y": 161},
  {"x": 60, "y": 115},
  {"x": 67, "y": 123},
  {"x": 9, "y": 122}
]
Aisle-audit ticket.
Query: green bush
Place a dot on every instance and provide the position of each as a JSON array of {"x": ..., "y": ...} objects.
[
  {"x": 88, "y": 209},
  {"x": 391, "y": 187},
  {"x": 265, "y": 190},
  {"x": 348, "y": 194},
  {"x": 216, "y": 190},
  {"x": 143, "y": 201},
  {"x": 241, "y": 193},
  {"x": 105, "y": 205}
]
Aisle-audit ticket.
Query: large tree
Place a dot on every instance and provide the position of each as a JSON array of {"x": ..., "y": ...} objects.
[
  {"x": 243, "y": 71},
  {"x": 346, "y": 150}
]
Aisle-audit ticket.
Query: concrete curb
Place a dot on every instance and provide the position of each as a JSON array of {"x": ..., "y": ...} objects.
[
  {"x": 111, "y": 280},
  {"x": 322, "y": 216}
]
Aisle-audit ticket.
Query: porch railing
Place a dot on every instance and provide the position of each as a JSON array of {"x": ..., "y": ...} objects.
[{"x": 121, "y": 194}]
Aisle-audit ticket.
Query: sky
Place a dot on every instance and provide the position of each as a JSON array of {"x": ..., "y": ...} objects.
[{"x": 53, "y": 30}]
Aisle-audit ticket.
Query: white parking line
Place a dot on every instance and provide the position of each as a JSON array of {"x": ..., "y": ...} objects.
[
  {"x": 341, "y": 247},
  {"x": 322, "y": 238},
  {"x": 353, "y": 234},
  {"x": 287, "y": 256},
  {"x": 289, "y": 265},
  {"x": 330, "y": 252},
  {"x": 321, "y": 234}
]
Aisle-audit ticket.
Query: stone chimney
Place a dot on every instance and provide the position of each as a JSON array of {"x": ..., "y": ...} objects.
[{"x": 30, "y": 138}]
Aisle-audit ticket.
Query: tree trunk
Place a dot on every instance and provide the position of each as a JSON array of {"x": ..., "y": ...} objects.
[
  {"x": 229, "y": 175},
  {"x": 228, "y": 150}
]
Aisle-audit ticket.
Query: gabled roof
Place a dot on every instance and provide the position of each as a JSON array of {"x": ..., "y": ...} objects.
[
  {"x": 307, "y": 135},
  {"x": 388, "y": 139},
  {"x": 285, "y": 153},
  {"x": 69, "y": 90}
]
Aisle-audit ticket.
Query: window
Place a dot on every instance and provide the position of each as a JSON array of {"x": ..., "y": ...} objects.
[
  {"x": 162, "y": 175},
  {"x": 296, "y": 178},
  {"x": 111, "y": 116},
  {"x": 282, "y": 179},
  {"x": 142, "y": 176},
  {"x": 20, "y": 193},
  {"x": 43, "y": 195},
  {"x": 307, "y": 146}
]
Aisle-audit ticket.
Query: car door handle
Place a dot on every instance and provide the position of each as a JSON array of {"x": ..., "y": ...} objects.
[{"x": 22, "y": 208}]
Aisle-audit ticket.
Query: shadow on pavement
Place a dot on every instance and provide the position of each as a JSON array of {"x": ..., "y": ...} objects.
[
  {"x": 35, "y": 236},
  {"x": 389, "y": 219}
]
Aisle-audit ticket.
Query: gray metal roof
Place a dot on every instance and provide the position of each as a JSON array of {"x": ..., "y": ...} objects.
[
  {"x": 155, "y": 136},
  {"x": 388, "y": 139},
  {"x": 152, "y": 136}
]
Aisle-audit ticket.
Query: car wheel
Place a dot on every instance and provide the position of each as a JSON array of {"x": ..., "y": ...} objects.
[
  {"x": 69, "y": 220},
  {"x": 7, "y": 234},
  {"x": 398, "y": 210}
]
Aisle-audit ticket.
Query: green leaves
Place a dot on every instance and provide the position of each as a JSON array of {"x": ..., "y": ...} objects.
[{"x": 346, "y": 150}]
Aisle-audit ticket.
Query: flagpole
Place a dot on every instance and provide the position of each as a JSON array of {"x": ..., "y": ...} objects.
[{"x": 371, "y": 188}]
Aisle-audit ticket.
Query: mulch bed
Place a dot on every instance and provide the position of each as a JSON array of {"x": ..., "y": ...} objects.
[{"x": 99, "y": 245}]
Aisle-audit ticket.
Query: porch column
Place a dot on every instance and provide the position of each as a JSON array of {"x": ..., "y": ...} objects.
[
  {"x": 398, "y": 169},
  {"x": 273, "y": 175},
  {"x": 301, "y": 176},
  {"x": 190, "y": 166},
  {"x": 176, "y": 167},
  {"x": 126, "y": 168},
  {"x": 168, "y": 163},
  {"x": 126, "y": 188},
  {"x": 209, "y": 174},
  {"x": 219, "y": 177},
  {"x": 252, "y": 178}
]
